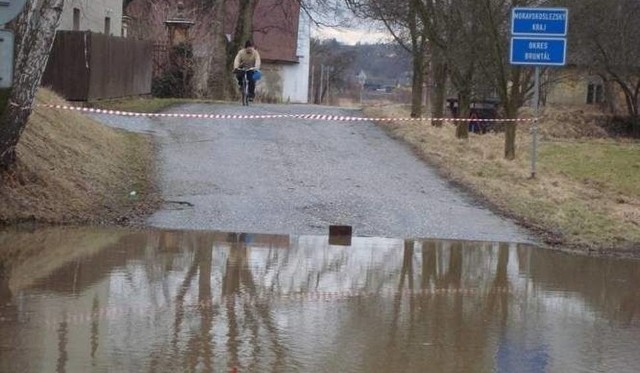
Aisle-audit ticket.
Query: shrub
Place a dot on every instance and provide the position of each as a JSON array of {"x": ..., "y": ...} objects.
[{"x": 176, "y": 80}]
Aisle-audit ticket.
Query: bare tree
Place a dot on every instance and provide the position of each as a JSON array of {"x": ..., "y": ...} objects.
[
  {"x": 329, "y": 13},
  {"x": 35, "y": 31},
  {"x": 337, "y": 59},
  {"x": 243, "y": 29},
  {"x": 609, "y": 47},
  {"x": 453, "y": 32},
  {"x": 513, "y": 84},
  {"x": 403, "y": 21},
  {"x": 218, "y": 74},
  {"x": 466, "y": 41}
]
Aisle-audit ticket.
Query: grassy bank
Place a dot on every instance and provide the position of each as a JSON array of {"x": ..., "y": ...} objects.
[
  {"x": 141, "y": 104},
  {"x": 72, "y": 169},
  {"x": 586, "y": 196}
]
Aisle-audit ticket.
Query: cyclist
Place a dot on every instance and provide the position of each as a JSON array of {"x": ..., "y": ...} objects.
[{"x": 247, "y": 59}]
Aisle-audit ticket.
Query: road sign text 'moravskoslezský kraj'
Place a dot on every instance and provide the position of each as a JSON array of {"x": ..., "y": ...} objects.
[{"x": 539, "y": 21}]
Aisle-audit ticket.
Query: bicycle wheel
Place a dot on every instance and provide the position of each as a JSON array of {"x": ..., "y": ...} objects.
[{"x": 245, "y": 91}]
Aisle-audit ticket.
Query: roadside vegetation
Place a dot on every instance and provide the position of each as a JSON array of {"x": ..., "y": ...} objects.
[
  {"x": 140, "y": 104},
  {"x": 71, "y": 169},
  {"x": 585, "y": 197}
]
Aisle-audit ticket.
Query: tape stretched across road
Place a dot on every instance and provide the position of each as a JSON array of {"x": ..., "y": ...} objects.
[{"x": 333, "y": 118}]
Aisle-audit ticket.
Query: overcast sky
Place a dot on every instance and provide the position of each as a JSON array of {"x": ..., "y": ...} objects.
[
  {"x": 354, "y": 30},
  {"x": 350, "y": 36}
]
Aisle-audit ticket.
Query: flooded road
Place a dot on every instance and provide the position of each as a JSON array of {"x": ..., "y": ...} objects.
[
  {"x": 81, "y": 300},
  {"x": 299, "y": 176}
]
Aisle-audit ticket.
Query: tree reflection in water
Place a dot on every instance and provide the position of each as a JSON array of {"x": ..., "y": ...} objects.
[
  {"x": 440, "y": 318},
  {"x": 206, "y": 301},
  {"x": 237, "y": 309}
]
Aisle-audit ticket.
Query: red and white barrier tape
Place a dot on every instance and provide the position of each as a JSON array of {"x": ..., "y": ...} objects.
[{"x": 336, "y": 118}]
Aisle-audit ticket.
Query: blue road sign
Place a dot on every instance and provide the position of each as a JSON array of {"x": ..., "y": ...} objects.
[
  {"x": 538, "y": 51},
  {"x": 539, "y": 21}
]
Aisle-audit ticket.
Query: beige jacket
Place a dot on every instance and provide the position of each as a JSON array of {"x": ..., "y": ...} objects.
[{"x": 247, "y": 60}]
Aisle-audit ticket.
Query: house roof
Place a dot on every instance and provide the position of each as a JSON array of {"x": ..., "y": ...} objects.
[
  {"x": 275, "y": 28},
  {"x": 275, "y": 24}
]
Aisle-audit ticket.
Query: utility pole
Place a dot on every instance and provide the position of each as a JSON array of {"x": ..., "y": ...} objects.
[
  {"x": 329, "y": 69},
  {"x": 311, "y": 91},
  {"x": 321, "y": 83}
]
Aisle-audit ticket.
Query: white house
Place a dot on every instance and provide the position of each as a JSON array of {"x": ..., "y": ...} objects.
[
  {"x": 295, "y": 77},
  {"x": 101, "y": 16},
  {"x": 282, "y": 35}
]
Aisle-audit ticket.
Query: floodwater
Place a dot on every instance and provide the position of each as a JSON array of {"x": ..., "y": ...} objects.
[{"x": 96, "y": 300}]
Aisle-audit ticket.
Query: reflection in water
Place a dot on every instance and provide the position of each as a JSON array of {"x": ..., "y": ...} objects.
[
  {"x": 62, "y": 347},
  {"x": 86, "y": 300}
]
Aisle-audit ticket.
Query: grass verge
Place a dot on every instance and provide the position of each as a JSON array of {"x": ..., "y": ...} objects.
[
  {"x": 72, "y": 169},
  {"x": 141, "y": 104},
  {"x": 585, "y": 197}
]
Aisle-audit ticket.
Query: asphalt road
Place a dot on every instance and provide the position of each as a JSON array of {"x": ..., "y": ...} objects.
[{"x": 290, "y": 176}]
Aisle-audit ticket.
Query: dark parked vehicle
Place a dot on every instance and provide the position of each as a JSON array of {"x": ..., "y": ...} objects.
[{"x": 478, "y": 109}]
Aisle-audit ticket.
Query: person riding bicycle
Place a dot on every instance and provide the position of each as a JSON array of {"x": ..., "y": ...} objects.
[{"x": 247, "y": 59}]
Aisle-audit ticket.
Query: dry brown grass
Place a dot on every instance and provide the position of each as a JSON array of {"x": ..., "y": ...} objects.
[
  {"x": 593, "y": 214},
  {"x": 142, "y": 104},
  {"x": 72, "y": 169}
]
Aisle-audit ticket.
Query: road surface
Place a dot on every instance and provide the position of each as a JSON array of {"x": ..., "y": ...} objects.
[{"x": 297, "y": 176}]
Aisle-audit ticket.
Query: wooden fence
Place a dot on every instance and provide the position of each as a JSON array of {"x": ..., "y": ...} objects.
[{"x": 88, "y": 66}]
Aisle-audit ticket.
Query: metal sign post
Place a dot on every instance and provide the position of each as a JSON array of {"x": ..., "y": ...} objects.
[
  {"x": 538, "y": 40},
  {"x": 534, "y": 129}
]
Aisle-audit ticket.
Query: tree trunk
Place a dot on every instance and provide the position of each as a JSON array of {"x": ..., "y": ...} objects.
[
  {"x": 438, "y": 90},
  {"x": 464, "y": 101},
  {"x": 609, "y": 96},
  {"x": 510, "y": 133},
  {"x": 243, "y": 30},
  {"x": 417, "y": 49},
  {"x": 35, "y": 32},
  {"x": 219, "y": 77},
  {"x": 511, "y": 106},
  {"x": 417, "y": 84},
  {"x": 510, "y": 141}
]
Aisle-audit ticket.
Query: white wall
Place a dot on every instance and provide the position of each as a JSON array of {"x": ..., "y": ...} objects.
[
  {"x": 92, "y": 15},
  {"x": 295, "y": 77}
]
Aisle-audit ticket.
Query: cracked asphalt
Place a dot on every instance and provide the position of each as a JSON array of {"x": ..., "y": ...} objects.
[{"x": 289, "y": 176}]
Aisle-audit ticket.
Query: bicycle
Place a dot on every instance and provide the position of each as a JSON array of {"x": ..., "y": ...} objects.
[{"x": 244, "y": 90}]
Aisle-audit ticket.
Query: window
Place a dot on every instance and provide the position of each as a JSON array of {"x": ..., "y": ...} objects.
[
  {"x": 76, "y": 19},
  {"x": 107, "y": 25},
  {"x": 595, "y": 93}
]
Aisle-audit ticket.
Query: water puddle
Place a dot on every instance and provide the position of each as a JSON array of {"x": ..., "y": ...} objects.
[{"x": 78, "y": 300}]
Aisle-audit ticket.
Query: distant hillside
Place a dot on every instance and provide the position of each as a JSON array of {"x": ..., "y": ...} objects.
[{"x": 385, "y": 64}]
